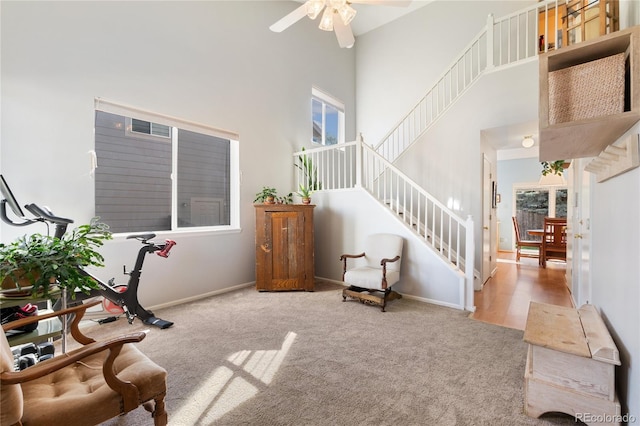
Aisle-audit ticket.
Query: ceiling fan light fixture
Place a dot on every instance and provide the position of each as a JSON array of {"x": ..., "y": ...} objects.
[
  {"x": 326, "y": 23},
  {"x": 347, "y": 13},
  {"x": 314, "y": 7},
  {"x": 528, "y": 141}
]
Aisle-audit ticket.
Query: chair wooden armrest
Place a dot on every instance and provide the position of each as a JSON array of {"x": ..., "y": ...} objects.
[
  {"x": 383, "y": 263},
  {"x": 47, "y": 367},
  {"x": 344, "y": 258},
  {"x": 78, "y": 312}
]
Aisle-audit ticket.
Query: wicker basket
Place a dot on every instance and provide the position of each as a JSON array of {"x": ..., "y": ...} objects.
[{"x": 588, "y": 90}]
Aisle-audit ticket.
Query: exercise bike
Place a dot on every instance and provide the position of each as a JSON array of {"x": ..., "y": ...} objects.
[{"x": 117, "y": 299}]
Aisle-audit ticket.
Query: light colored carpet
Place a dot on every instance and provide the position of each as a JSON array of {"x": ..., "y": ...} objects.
[{"x": 307, "y": 358}]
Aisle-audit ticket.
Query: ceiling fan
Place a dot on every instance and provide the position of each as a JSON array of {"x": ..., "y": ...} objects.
[{"x": 337, "y": 16}]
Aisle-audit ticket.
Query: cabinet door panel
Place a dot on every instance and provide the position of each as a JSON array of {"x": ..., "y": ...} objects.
[{"x": 285, "y": 260}]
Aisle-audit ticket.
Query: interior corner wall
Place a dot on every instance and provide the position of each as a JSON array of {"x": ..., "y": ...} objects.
[{"x": 213, "y": 62}]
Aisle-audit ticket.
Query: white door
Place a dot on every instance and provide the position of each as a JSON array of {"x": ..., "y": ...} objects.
[
  {"x": 486, "y": 220},
  {"x": 581, "y": 237},
  {"x": 572, "y": 222}
]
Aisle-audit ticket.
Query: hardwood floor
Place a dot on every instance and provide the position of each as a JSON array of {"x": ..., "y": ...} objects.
[{"x": 505, "y": 298}]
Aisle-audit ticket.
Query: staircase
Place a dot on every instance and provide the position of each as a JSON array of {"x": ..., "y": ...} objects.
[{"x": 503, "y": 42}]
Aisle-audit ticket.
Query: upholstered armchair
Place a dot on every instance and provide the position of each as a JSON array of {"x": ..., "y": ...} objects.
[
  {"x": 84, "y": 386},
  {"x": 378, "y": 271}
]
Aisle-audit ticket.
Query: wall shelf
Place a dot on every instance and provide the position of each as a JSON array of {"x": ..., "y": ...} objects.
[
  {"x": 616, "y": 159},
  {"x": 590, "y": 136}
]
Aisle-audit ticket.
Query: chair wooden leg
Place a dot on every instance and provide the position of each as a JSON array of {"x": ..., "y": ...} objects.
[{"x": 157, "y": 410}]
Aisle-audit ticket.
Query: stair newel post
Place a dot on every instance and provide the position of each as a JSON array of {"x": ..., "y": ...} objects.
[
  {"x": 469, "y": 264},
  {"x": 490, "y": 30},
  {"x": 359, "y": 141}
]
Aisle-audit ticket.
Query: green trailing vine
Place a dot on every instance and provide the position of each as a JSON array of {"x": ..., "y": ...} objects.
[{"x": 552, "y": 167}]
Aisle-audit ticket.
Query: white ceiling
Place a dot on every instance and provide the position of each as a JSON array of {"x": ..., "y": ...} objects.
[
  {"x": 507, "y": 140},
  {"x": 370, "y": 16}
]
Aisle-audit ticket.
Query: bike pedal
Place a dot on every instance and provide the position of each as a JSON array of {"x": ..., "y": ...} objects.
[
  {"x": 158, "y": 322},
  {"x": 106, "y": 320}
]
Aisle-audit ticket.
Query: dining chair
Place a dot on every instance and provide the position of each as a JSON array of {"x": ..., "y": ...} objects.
[
  {"x": 554, "y": 240},
  {"x": 527, "y": 244}
]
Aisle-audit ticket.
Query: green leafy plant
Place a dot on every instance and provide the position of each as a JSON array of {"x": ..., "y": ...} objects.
[
  {"x": 285, "y": 199},
  {"x": 552, "y": 167},
  {"x": 310, "y": 172},
  {"x": 266, "y": 195},
  {"x": 42, "y": 261}
]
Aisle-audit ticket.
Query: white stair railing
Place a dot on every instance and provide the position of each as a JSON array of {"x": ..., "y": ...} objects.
[
  {"x": 502, "y": 42},
  {"x": 434, "y": 222}
]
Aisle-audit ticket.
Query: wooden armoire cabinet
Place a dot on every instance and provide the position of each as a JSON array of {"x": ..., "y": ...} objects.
[{"x": 284, "y": 247}]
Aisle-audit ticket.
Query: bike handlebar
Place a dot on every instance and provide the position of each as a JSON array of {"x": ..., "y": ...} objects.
[
  {"x": 167, "y": 248},
  {"x": 46, "y": 214}
]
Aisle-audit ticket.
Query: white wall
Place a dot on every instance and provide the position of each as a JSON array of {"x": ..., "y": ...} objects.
[
  {"x": 212, "y": 62},
  {"x": 615, "y": 272}
]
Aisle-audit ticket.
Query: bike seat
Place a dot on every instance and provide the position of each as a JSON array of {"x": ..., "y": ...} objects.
[{"x": 142, "y": 237}]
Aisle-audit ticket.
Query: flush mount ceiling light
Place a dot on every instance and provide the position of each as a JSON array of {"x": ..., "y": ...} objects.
[
  {"x": 528, "y": 141},
  {"x": 337, "y": 16}
]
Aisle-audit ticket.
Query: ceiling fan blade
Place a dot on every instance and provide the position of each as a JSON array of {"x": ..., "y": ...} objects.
[
  {"x": 289, "y": 19},
  {"x": 400, "y": 3},
  {"x": 343, "y": 33}
]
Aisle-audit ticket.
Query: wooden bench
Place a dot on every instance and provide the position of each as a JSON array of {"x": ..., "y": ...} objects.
[{"x": 570, "y": 364}]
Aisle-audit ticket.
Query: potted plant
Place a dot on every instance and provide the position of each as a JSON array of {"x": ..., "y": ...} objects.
[
  {"x": 305, "y": 194},
  {"x": 285, "y": 199},
  {"x": 310, "y": 172},
  {"x": 266, "y": 195},
  {"x": 41, "y": 262},
  {"x": 553, "y": 167}
]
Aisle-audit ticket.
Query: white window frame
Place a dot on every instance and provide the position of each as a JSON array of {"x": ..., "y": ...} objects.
[
  {"x": 326, "y": 99},
  {"x": 129, "y": 123},
  {"x": 179, "y": 123}
]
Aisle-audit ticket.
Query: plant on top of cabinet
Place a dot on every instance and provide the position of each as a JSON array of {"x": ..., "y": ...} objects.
[{"x": 267, "y": 195}]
